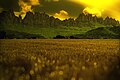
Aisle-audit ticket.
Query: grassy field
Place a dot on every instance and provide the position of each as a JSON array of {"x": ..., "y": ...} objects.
[{"x": 63, "y": 59}]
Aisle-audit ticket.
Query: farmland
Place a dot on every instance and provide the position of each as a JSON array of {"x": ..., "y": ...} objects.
[{"x": 60, "y": 59}]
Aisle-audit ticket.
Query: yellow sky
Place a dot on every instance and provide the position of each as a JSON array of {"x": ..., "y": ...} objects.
[
  {"x": 106, "y": 7},
  {"x": 96, "y": 7}
]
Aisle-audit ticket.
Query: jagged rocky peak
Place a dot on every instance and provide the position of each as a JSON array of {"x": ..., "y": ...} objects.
[
  {"x": 42, "y": 19},
  {"x": 8, "y": 17},
  {"x": 7, "y": 14},
  {"x": 36, "y": 15},
  {"x": 29, "y": 15}
]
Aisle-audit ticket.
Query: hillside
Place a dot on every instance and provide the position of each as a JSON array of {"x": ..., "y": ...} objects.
[
  {"x": 42, "y": 24},
  {"x": 9, "y": 34},
  {"x": 101, "y": 33}
]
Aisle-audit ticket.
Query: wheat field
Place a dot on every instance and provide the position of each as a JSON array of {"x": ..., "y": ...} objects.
[{"x": 59, "y": 59}]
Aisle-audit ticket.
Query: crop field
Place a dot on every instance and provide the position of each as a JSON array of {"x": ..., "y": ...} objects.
[{"x": 59, "y": 59}]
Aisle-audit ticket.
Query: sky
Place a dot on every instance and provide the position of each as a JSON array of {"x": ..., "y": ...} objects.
[{"x": 64, "y": 9}]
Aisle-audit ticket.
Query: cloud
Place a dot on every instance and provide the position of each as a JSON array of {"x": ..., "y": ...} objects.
[
  {"x": 93, "y": 11},
  {"x": 34, "y": 2},
  {"x": 55, "y": 0},
  {"x": 52, "y": 0},
  {"x": 111, "y": 7},
  {"x": 26, "y": 6},
  {"x": 62, "y": 15}
]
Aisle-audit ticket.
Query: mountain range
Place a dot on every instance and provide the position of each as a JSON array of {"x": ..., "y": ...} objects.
[{"x": 43, "y": 25}]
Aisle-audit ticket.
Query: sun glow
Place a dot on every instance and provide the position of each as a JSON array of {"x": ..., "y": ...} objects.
[
  {"x": 96, "y": 3},
  {"x": 106, "y": 7}
]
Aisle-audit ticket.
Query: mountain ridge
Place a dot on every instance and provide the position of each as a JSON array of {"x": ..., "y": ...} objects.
[{"x": 37, "y": 20}]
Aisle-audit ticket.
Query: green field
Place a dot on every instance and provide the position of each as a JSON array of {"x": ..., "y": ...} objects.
[{"x": 60, "y": 59}]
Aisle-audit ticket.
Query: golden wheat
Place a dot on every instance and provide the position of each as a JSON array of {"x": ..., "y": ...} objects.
[{"x": 48, "y": 59}]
